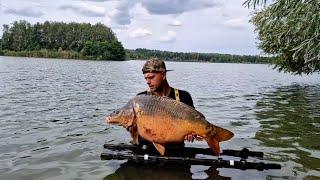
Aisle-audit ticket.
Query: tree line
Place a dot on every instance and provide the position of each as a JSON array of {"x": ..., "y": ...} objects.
[
  {"x": 86, "y": 41},
  {"x": 141, "y": 53},
  {"x": 81, "y": 40}
]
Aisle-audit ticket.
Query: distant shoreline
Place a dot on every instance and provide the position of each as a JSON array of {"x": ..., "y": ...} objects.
[
  {"x": 48, "y": 54},
  {"x": 128, "y": 60},
  {"x": 78, "y": 56},
  {"x": 141, "y": 53}
]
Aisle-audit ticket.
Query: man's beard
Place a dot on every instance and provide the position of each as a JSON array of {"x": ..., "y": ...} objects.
[{"x": 158, "y": 89}]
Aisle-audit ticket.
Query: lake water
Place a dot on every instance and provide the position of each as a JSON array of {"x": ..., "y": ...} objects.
[{"x": 52, "y": 117}]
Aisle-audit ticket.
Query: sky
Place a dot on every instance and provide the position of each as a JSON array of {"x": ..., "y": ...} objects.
[{"x": 208, "y": 26}]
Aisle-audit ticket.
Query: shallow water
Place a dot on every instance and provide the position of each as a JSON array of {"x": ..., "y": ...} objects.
[{"x": 52, "y": 117}]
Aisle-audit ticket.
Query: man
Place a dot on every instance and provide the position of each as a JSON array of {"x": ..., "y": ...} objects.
[{"x": 155, "y": 74}]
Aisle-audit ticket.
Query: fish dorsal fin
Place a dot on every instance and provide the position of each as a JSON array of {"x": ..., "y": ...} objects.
[
  {"x": 133, "y": 129},
  {"x": 161, "y": 149}
]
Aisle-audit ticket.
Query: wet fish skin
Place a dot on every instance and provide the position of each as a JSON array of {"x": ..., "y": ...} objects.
[{"x": 163, "y": 120}]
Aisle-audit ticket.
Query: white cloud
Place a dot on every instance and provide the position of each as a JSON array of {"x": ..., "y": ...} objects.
[
  {"x": 237, "y": 23},
  {"x": 121, "y": 13},
  {"x": 177, "y": 6},
  {"x": 27, "y": 11},
  {"x": 98, "y": 0},
  {"x": 140, "y": 32},
  {"x": 169, "y": 38},
  {"x": 175, "y": 23},
  {"x": 85, "y": 9}
]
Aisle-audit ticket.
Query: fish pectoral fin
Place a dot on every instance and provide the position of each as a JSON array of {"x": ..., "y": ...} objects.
[
  {"x": 214, "y": 145},
  {"x": 161, "y": 149},
  {"x": 134, "y": 134},
  {"x": 132, "y": 120}
]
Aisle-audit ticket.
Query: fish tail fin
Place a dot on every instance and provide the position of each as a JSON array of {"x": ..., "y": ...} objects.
[
  {"x": 216, "y": 135},
  {"x": 223, "y": 134}
]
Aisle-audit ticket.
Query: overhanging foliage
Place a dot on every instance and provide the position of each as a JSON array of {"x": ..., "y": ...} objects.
[{"x": 290, "y": 30}]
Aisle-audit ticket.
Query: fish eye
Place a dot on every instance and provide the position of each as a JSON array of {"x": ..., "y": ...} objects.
[{"x": 115, "y": 112}]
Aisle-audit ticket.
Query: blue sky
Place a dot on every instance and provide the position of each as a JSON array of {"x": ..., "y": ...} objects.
[{"x": 215, "y": 26}]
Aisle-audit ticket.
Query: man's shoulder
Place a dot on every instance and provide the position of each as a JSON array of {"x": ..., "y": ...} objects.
[
  {"x": 185, "y": 97},
  {"x": 183, "y": 93}
]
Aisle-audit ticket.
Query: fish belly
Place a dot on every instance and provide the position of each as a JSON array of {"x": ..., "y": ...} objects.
[{"x": 162, "y": 130}]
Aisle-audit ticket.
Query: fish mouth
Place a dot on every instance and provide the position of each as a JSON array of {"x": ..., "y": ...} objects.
[{"x": 110, "y": 120}]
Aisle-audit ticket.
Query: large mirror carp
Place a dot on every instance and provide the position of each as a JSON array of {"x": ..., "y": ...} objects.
[{"x": 162, "y": 120}]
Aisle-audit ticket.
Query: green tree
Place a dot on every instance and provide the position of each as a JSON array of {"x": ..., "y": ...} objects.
[
  {"x": 197, "y": 57},
  {"x": 96, "y": 41},
  {"x": 112, "y": 50},
  {"x": 6, "y": 41},
  {"x": 117, "y": 51},
  {"x": 290, "y": 30}
]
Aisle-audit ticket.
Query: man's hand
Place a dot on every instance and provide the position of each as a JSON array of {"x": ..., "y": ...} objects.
[
  {"x": 192, "y": 137},
  {"x": 189, "y": 137}
]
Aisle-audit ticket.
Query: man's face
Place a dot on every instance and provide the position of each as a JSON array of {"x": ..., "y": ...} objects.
[{"x": 155, "y": 80}]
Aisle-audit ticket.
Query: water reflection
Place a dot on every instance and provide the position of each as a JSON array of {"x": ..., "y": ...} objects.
[
  {"x": 290, "y": 126},
  {"x": 131, "y": 170}
]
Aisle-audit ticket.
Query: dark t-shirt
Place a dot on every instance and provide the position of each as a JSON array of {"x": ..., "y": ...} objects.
[{"x": 186, "y": 98}]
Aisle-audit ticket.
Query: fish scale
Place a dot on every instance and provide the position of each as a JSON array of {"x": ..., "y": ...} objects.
[{"x": 177, "y": 110}]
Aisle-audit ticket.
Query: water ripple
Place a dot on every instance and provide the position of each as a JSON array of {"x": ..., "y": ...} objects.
[{"x": 52, "y": 116}]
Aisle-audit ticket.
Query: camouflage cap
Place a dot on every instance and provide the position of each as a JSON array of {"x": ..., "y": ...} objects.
[{"x": 154, "y": 65}]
